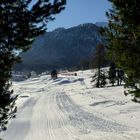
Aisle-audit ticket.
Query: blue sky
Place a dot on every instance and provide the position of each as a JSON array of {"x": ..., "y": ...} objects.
[{"x": 79, "y": 12}]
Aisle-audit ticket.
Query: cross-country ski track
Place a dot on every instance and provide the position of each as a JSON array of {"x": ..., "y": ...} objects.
[{"x": 68, "y": 108}]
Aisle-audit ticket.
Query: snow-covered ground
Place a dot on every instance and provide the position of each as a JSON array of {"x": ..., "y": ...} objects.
[{"x": 69, "y": 108}]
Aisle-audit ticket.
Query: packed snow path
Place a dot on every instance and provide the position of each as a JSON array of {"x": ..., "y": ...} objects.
[{"x": 48, "y": 111}]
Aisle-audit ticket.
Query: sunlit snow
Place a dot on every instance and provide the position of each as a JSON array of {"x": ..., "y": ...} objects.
[{"x": 69, "y": 108}]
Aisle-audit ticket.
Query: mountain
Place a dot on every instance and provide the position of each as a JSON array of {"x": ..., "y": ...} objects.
[{"x": 61, "y": 48}]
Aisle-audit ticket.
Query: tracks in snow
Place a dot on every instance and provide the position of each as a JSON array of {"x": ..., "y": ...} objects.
[
  {"x": 83, "y": 120},
  {"x": 54, "y": 115}
]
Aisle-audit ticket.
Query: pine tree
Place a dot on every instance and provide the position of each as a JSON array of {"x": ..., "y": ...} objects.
[
  {"x": 98, "y": 62},
  {"x": 112, "y": 73},
  {"x": 124, "y": 40},
  {"x": 20, "y": 22},
  {"x": 119, "y": 76}
]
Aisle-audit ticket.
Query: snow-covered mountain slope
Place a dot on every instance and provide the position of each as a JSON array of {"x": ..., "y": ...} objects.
[
  {"x": 62, "y": 48},
  {"x": 69, "y": 108}
]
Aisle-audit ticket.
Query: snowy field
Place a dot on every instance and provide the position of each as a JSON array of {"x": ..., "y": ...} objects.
[{"x": 69, "y": 108}]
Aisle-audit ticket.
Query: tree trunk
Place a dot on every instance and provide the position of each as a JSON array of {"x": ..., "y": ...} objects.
[{"x": 98, "y": 80}]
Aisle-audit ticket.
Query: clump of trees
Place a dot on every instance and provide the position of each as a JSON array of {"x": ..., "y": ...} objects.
[
  {"x": 123, "y": 34},
  {"x": 98, "y": 62},
  {"x": 20, "y": 22},
  {"x": 115, "y": 75}
]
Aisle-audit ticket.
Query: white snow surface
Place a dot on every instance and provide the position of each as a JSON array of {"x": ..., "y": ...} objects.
[{"x": 69, "y": 108}]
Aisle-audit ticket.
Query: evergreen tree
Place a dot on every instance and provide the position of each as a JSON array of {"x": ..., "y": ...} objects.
[
  {"x": 112, "y": 73},
  {"x": 98, "y": 62},
  {"x": 120, "y": 76},
  {"x": 124, "y": 40},
  {"x": 99, "y": 80},
  {"x": 20, "y": 22}
]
